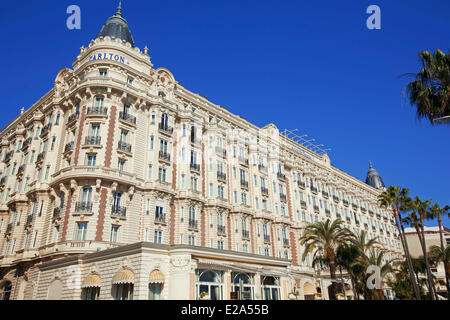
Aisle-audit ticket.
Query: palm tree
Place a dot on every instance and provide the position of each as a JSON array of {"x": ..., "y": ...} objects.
[
  {"x": 347, "y": 258},
  {"x": 392, "y": 197},
  {"x": 423, "y": 209},
  {"x": 323, "y": 238},
  {"x": 430, "y": 91},
  {"x": 437, "y": 212},
  {"x": 438, "y": 255}
]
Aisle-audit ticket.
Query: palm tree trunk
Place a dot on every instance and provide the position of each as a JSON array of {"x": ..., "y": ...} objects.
[
  {"x": 446, "y": 267},
  {"x": 401, "y": 230},
  {"x": 333, "y": 275},
  {"x": 420, "y": 236},
  {"x": 427, "y": 264}
]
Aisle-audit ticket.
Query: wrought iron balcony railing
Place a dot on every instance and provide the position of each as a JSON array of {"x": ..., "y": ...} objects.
[
  {"x": 123, "y": 146},
  {"x": 127, "y": 117},
  {"x": 118, "y": 211},
  {"x": 93, "y": 140},
  {"x": 97, "y": 110},
  {"x": 83, "y": 207},
  {"x": 164, "y": 156},
  {"x": 165, "y": 129}
]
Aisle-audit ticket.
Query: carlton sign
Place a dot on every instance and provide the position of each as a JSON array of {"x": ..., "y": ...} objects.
[{"x": 107, "y": 56}]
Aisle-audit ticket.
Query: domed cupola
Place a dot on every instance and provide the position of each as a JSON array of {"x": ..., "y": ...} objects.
[
  {"x": 116, "y": 27},
  {"x": 373, "y": 178}
]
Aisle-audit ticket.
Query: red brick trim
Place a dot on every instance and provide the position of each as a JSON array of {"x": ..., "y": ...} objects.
[
  {"x": 80, "y": 136},
  {"x": 203, "y": 228},
  {"x": 110, "y": 138},
  {"x": 66, "y": 217},
  {"x": 294, "y": 249},
  {"x": 252, "y": 235},
  {"x": 101, "y": 215}
]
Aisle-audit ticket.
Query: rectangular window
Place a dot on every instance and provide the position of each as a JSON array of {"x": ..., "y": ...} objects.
[
  {"x": 162, "y": 174},
  {"x": 158, "y": 236},
  {"x": 80, "y": 232},
  {"x": 114, "y": 234}
]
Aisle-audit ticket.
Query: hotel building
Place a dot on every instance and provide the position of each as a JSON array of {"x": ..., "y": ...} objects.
[{"x": 120, "y": 183}]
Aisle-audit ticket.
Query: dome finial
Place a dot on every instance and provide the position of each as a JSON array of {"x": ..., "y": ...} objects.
[
  {"x": 119, "y": 9},
  {"x": 370, "y": 165}
]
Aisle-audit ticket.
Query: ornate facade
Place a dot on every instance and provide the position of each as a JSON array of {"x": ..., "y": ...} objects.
[{"x": 124, "y": 180}]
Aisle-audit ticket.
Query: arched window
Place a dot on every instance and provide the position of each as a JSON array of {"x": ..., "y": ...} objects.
[
  {"x": 209, "y": 282},
  {"x": 5, "y": 291},
  {"x": 243, "y": 284},
  {"x": 270, "y": 287}
]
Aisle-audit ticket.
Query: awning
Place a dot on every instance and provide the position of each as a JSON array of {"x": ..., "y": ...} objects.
[
  {"x": 309, "y": 289},
  {"x": 123, "y": 276},
  {"x": 92, "y": 281},
  {"x": 156, "y": 277}
]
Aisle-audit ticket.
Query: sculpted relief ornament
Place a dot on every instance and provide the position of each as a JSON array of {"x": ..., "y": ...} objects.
[{"x": 181, "y": 263}]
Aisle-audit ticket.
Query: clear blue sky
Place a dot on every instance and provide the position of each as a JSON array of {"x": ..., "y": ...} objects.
[{"x": 311, "y": 65}]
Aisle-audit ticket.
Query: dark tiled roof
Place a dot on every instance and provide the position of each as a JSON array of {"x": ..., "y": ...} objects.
[
  {"x": 116, "y": 27},
  {"x": 374, "y": 179}
]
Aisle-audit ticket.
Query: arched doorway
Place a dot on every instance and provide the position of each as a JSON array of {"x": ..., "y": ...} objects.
[
  {"x": 246, "y": 281},
  {"x": 210, "y": 282},
  {"x": 55, "y": 290},
  {"x": 270, "y": 287},
  {"x": 309, "y": 291},
  {"x": 5, "y": 291}
]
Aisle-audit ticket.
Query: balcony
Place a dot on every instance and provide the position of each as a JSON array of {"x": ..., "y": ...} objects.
[
  {"x": 195, "y": 141},
  {"x": 336, "y": 199},
  {"x": 371, "y": 212},
  {"x": 165, "y": 129},
  {"x": 245, "y": 234},
  {"x": 164, "y": 156},
  {"x": 262, "y": 168},
  {"x": 281, "y": 176},
  {"x": 195, "y": 167},
  {"x": 3, "y": 180},
  {"x": 266, "y": 238},
  {"x": 118, "y": 211},
  {"x": 363, "y": 210},
  {"x": 123, "y": 146},
  {"x": 29, "y": 220},
  {"x": 8, "y": 156},
  {"x": 244, "y": 184},
  {"x": 46, "y": 129},
  {"x": 26, "y": 144},
  {"x": 328, "y": 212},
  {"x": 325, "y": 194},
  {"x": 9, "y": 228},
  {"x": 314, "y": 190},
  {"x": 243, "y": 161},
  {"x": 283, "y": 197},
  {"x": 221, "y": 152},
  {"x": 354, "y": 206},
  {"x": 69, "y": 146},
  {"x": 93, "y": 140},
  {"x": 221, "y": 176},
  {"x": 301, "y": 185},
  {"x": 264, "y": 191},
  {"x": 83, "y": 207},
  {"x": 57, "y": 212},
  {"x": 221, "y": 230},
  {"x": 357, "y": 223},
  {"x": 303, "y": 204},
  {"x": 128, "y": 118},
  {"x": 193, "y": 224},
  {"x": 21, "y": 169},
  {"x": 99, "y": 111},
  {"x": 160, "y": 218},
  {"x": 345, "y": 202},
  {"x": 40, "y": 157},
  {"x": 73, "y": 117},
  {"x": 316, "y": 209},
  {"x": 286, "y": 242}
]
